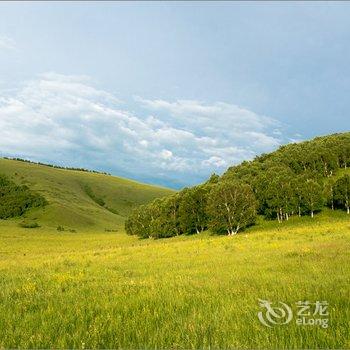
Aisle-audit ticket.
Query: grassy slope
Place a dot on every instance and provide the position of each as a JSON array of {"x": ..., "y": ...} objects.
[
  {"x": 70, "y": 205},
  {"x": 111, "y": 290}
]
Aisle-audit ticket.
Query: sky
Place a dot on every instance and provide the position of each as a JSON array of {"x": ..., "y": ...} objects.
[{"x": 169, "y": 92}]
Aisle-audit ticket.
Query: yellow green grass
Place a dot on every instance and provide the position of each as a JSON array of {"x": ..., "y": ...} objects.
[
  {"x": 69, "y": 204},
  {"x": 110, "y": 290}
]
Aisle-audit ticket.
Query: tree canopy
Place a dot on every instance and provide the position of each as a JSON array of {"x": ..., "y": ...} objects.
[{"x": 297, "y": 179}]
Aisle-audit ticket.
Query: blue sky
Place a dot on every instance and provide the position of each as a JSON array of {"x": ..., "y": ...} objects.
[{"x": 169, "y": 92}]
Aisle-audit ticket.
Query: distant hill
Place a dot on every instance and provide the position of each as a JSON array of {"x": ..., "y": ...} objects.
[{"x": 79, "y": 199}]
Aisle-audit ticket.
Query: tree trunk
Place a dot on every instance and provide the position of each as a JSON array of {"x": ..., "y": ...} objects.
[
  {"x": 312, "y": 213},
  {"x": 281, "y": 216}
]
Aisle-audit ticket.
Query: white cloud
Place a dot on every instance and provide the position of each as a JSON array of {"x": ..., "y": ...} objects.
[
  {"x": 214, "y": 161},
  {"x": 166, "y": 154},
  {"x": 64, "y": 119},
  {"x": 7, "y": 43}
]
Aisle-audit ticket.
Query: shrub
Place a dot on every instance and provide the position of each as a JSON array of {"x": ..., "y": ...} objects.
[{"x": 29, "y": 224}]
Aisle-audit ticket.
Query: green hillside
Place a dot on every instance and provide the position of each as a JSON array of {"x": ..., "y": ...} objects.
[
  {"x": 299, "y": 179},
  {"x": 77, "y": 199}
]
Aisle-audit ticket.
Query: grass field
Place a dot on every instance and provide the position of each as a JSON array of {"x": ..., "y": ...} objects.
[{"x": 110, "y": 290}]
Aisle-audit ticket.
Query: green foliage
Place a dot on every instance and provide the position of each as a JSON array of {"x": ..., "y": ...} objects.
[
  {"x": 159, "y": 219},
  {"x": 166, "y": 217},
  {"x": 312, "y": 194},
  {"x": 193, "y": 215},
  {"x": 342, "y": 192},
  {"x": 231, "y": 207},
  {"x": 297, "y": 179},
  {"x": 29, "y": 224},
  {"x": 214, "y": 178},
  {"x": 279, "y": 195},
  {"x": 16, "y": 200}
]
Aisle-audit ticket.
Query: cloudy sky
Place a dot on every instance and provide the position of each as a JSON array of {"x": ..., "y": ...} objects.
[{"x": 167, "y": 92}]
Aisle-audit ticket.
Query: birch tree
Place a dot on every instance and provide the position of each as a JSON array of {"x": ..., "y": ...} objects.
[
  {"x": 231, "y": 206},
  {"x": 312, "y": 196}
]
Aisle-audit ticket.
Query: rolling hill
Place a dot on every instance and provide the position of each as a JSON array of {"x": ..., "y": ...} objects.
[{"x": 77, "y": 199}]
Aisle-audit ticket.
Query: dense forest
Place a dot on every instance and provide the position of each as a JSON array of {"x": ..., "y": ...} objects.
[
  {"x": 16, "y": 200},
  {"x": 297, "y": 179}
]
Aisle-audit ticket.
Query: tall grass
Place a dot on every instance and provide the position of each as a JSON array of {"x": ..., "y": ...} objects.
[{"x": 83, "y": 290}]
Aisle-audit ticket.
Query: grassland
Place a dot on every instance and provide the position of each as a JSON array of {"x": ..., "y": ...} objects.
[
  {"x": 75, "y": 197},
  {"x": 110, "y": 290}
]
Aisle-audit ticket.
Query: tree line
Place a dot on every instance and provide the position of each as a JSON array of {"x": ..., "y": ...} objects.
[
  {"x": 297, "y": 179},
  {"x": 57, "y": 166}
]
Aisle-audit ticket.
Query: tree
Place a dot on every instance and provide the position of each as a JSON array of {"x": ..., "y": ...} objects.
[
  {"x": 167, "y": 219},
  {"x": 214, "y": 178},
  {"x": 192, "y": 211},
  {"x": 298, "y": 187},
  {"x": 342, "y": 192},
  {"x": 312, "y": 196},
  {"x": 139, "y": 222},
  {"x": 329, "y": 188},
  {"x": 279, "y": 193},
  {"x": 231, "y": 207}
]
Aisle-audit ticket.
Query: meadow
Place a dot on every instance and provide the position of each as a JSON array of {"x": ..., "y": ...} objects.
[{"x": 99, "y": 289}]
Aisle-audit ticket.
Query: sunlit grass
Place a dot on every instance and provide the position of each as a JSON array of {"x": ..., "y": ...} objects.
[
  {"x": 109, "y": 290},
  {"x": 69, "y": 204}
]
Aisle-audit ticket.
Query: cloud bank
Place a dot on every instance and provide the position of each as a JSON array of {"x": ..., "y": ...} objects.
[{"x": 66, "y": 120}]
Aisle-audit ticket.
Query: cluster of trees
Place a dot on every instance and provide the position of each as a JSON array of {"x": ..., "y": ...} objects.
[
  {"x": 224, "y": 207},
  {"x": 297, "y": 179},
  {"x": 58, "y": 166},
  {"x": 16, "y": 200}
]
